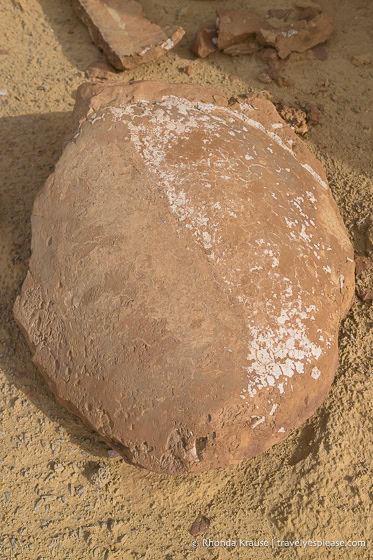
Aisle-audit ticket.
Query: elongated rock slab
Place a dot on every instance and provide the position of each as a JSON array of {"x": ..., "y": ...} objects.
[
  {"x": 188, "y": 275},
  {"x": 119, "y": 28}
]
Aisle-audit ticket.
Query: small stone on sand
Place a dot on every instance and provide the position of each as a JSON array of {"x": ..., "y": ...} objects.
[
  {"x": 205, "y": 41},
  {"x": 100, "y": 70}
]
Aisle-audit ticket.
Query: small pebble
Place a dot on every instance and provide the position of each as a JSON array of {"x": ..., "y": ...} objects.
[
  {"x": 264, "y": 78},
  {"x": 37, "y": 503},
  {"x": 112, "y": 453},
  {"x": 79, "y": 490},
  {"x": 58, "y": 468}
]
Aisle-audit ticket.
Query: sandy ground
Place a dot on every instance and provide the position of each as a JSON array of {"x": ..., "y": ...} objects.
[{"x": 315, "y": 485}]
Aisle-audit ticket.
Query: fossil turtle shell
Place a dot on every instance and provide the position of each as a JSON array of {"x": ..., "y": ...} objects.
[{"x": 188, "y": 275}]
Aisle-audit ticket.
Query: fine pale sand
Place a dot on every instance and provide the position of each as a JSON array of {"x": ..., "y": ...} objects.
[{"x": 55, "y": 503}]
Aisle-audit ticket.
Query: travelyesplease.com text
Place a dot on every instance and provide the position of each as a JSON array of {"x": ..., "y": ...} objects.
[{"x": 278, "y": 543}]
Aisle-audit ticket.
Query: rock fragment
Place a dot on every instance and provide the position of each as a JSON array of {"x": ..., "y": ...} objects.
[
  {"x": 198, "y": 324},
  {"x": 296, "y": 118},
  {"x": 362, "y": 60},
  {"x": 237, "y": 26},
  {"x": 98, "y": 474},
  {"x": 306, "y": 5},
  {"x": 188, "y": 70},
  {"x": 100, "y": 70},
  {"x": 127, "y": 38},
  {"x": 58, "y": 467},
  {"x": 276, "y": 68},
  {"x": 280, "y": 78},
  {"x": 243, "y": 48},
  {"x": 369, "y": 238},
  {"x": 297, "y": 37},
  {"x": 113, "y": 454},
  {"x": 269, "y": 55},
  {"x": 205, "y": 41},
  {"x": 264, "y": 77},
  {"x": 200, "y": 525}
]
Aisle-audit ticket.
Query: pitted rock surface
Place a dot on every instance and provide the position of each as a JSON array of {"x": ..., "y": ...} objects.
[{"x": 188, "y": 275}]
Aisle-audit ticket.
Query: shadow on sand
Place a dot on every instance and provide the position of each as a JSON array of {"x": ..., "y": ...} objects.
[{"x": 32, "y": 145}]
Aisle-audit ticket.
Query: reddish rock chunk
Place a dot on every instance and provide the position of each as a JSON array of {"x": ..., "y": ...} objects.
[
  {"x": 236, "y": 26},
  {"x": 296, "y": 118},
  {"x": 127, "y": 38},
  {"x": 188, "y": 70},
  {"x": 190, "y": 324},
  {"x": 200, "y": 525},
  {"x": 297, "y": 37},
  {"x": 100, "y": 70},
  {"x": 205, "y": 41}
]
